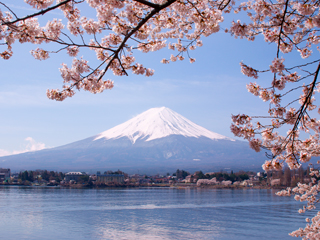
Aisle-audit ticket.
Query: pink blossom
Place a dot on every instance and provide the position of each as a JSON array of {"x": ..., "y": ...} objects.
[
  {"x": 138, "y": 69},
  {"x": 74, "y": 27},
  {"x": 255, "y": 144},
  {"x": 90, "y": 26},
  {"x": 248, "y": 71},
  {"x": 264, "y": 95},
  {"x": 304, "y": 157},
  {"x": 6, "y": 54},
  {"x": 39, "y": 54},
  {"x": 267, "y": 166},
  {"x": 39, "y": 4},
  {"x": 279, "y": 83},
  {"x": 240, "y": 119},
  {"x": 199, "y": 43},
  {"x": 149, "y": 72},
  {"x": 278, "y": 166},
  {"x": 164, "y": 61},
  {"x": 316, "y": 21},
  {"x": 253, "y": 88},
  {"x": 173, "y": 58},
  {"x": 237, "y": 131},
  {"x": 239, "y": 30},
  {"x": 304, "y": 9},
  {"x": 53, "y": 29},
  {"x": 277, "y": 65},
  {"x": 73, "y": 51},
  {"x": 305, "y": 53}
]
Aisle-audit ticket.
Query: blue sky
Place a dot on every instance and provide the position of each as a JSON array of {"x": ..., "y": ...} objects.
[{"x": 206, "y": 92}]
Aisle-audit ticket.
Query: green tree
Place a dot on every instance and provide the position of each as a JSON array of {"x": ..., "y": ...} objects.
[
  {"x": 181, "y": 174},
  {"x": 200, "y": 175},
  {"x": 84, "y": 178},
  {"x": 45, "y": 175},
  {"x": 287, "y": 177},
  {"x": 25, "y": 176}
]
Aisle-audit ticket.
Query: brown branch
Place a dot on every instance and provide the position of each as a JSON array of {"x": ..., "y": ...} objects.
[
  {"x": 9, "y": 9},
  {"x": 42, "y": 12},
  {"x": 115, "y": 54},
  {"x": 150, "y": 15},
  {"x": 149, "y": 4},
  {"x": 226, "y": 5},
  {"x": 141, "y": 23},
  {"x": 307, "y": 101},
  {"x": 304, "y": 65},
  {"x": 302, "y": 111},
  {"x": 195, "y": 8},
  {"x": 74, "y": 44},
  {"x": 290, "y": 138},
  {"x": 282, "y": 22}
]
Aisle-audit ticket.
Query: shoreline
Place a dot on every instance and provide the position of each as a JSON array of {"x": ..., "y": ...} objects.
[{"x": 121, "y": 186}]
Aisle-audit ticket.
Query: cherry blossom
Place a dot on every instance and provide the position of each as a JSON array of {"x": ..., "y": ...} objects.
[
  {"x": 277, "y": 65},
  {"x": 39, "y": 4},
  {"x": 248, "y": 71},
  {"x": 255, "y": 144},
  {"x": 40, "y": 54}
]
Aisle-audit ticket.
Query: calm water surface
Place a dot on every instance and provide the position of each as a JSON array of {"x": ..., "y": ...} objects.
[{"x": 148, "y": 213}]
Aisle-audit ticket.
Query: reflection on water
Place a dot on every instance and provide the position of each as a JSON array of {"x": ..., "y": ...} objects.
[{"x": 149, "y": 213}]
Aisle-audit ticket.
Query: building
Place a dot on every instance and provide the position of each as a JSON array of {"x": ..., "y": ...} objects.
[
  {"x": 2, "y": 177},
  {"x": 110, "y": 178},
  {"x": 74, "y": 176},
  {"x": 5, "y": 173}
]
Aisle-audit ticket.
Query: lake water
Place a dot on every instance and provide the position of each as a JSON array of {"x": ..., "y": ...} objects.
[{"x": 146, "y": 213}]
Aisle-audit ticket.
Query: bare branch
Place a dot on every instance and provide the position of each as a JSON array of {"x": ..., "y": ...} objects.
[
  {"x": 9, "y": 9},
  {"x": 149, "y": 4},
  {"x": 42, "y": 12}
]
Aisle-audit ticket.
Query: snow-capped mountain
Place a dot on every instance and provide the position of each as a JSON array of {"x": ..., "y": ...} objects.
[
  {"x": 157, "y": 140},
  {"x": 157, "y": 123}
]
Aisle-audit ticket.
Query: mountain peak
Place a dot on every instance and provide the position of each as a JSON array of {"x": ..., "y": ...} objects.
[
  {"x": 158, "y": 123},
  {"x": 159, "y": 109}
]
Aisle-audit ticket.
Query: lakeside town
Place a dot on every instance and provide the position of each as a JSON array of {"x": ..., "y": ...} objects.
[{"x": 180, "y": 178}]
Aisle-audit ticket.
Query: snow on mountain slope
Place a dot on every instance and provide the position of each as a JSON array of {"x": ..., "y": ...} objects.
[{"x": 157, "y": 123}]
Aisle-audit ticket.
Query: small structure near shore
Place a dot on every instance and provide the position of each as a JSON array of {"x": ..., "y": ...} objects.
[
  {"x": 4, "y": 173},
  {"x": 110, "y": 178},
  {"x": 74, "y": 176}
]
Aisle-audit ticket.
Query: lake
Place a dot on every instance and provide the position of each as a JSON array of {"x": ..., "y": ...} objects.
[{"x": 146, "y": 213}]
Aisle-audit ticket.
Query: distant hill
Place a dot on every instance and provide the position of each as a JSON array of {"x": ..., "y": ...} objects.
[{"x": 158, "y": 140}]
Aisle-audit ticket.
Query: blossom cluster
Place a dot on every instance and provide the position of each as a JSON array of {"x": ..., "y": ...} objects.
[
  {"x": 119, "y": 28},
  {"x": 307, "y": 193},
  {"x": 248, "y": 71},
  {"x": 40, "y": 4},
  {"x": 289, "y": 25}
]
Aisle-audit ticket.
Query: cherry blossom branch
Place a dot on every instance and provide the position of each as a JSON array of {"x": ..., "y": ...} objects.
[
  {"x": 147, "y": 3},
  {"x": 220, "y": 5},
  {"x": 307, "y": 99},
  {"x": 75, "y": 44},
  {"x": 115, "y": 56},
  {"x": 9, "y": 9},
  {"x": 304, "y": 65},
  {"x": 42, "y": 12},
  {"x": 281, "y": 27}
]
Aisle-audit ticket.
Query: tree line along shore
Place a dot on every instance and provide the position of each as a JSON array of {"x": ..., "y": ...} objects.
[{"x": 180, "y": 178}]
